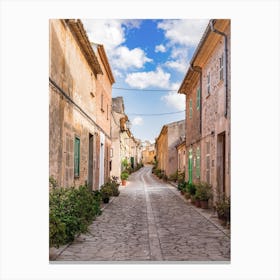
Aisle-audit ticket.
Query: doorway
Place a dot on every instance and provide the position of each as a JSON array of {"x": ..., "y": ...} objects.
[
  {"x": 90, "y": 161},
  {"x": 221, "y": 151}
]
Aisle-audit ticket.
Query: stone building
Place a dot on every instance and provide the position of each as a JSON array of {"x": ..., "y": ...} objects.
[
  {"x": 181, "y": 154},
  {"x": 166, "y": 152},
  {"x": 119, "y": 130},
  {"x": 124, "y": 145},
  {"x": 148, "y": 153},
  {"x": 80, "y": 85},
  {"x": 209, "y": 71}
]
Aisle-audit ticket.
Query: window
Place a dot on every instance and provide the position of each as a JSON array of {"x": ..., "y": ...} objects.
[
  {"x": 221, "y": 70},
  {"x": 197, "y": 162},
  {"x": 198, "y": 99},
  {"x": 191, "y": 109},
  {"x": 77, "y": 157},
  {"x": 208, "y": 83}
]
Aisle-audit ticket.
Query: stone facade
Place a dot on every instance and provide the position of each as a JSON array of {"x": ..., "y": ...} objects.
[
  {"x": 148, "y": 153},
  {"x": 124, "y": 145},
  {"x": 166, "y": 142},
  {"x": 181, "y": 154},
  {"x": 210, "y": 71},
  {"x": 80, "y": 84}
]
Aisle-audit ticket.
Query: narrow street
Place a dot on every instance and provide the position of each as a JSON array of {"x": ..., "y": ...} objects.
[{"x": 149, "y": 221}]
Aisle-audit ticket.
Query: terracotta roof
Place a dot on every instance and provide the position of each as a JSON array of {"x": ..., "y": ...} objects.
[{"x": 78, "y": 30}]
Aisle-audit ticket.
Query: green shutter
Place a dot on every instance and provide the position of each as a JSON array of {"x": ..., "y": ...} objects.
[
  {"x": 77, "y": 157},
  {"x": 197, "y": 163},
  {"x": 198, "y": 99},
  {"x": 190, "y": 108}
]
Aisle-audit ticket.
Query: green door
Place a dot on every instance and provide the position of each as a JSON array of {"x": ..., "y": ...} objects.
[{"x": 190, "y": 169}]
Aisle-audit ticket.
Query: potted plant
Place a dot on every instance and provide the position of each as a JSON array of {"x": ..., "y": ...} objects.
[
  {"x": 204, "y": 193},
  {"x": 223, "y": 209},
  {"x": 106, "y": 193},
  {"x": 124, "y": 177},
  {"x": 191, "y": 189}
]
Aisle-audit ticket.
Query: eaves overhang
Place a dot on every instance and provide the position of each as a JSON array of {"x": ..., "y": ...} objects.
[{"x": 77, "y": 29}]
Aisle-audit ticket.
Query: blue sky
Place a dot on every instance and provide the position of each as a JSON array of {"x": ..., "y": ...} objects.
[{"x": 148, "y": 55}]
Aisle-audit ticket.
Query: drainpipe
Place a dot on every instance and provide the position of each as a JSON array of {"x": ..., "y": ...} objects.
[
  {"x": 199, "y": 70},
  {"x": 226, "y": 61}
]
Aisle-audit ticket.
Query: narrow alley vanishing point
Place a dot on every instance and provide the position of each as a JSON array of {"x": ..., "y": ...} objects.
[{"x": 149, "y": 221}]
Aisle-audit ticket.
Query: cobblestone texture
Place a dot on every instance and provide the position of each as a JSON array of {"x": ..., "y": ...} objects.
[{"x": 149, "y": 221}]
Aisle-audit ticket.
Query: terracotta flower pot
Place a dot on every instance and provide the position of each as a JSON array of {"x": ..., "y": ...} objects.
[
  {"x": 197, "y": 203},
  {"x": 123, "y": 182},
  {"x": 204, "y": 204}
]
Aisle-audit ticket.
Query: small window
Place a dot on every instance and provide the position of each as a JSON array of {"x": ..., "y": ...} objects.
[
  {"x": 198, "y": 99},
  {"x": 191, "y": 109},
  {"x": 77, "y": 157},
  {"x": 208, "y": 83},
  {"x": 221, "y": 70}
]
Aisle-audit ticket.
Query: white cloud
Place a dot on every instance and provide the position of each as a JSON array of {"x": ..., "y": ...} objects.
[
  {"x": 174, "y": 99},
  {"x": 184, "y": 32},
  {"x": 124, "y": 58},
  {"x": 179, "y": 65},
  {"x": 142, "y": 80},
  {"x": 160, "y": 48},
  {"x": 137, "y": 121},
  {"x": 107, "y": 32},
  {"x": 111, "y": 34}
]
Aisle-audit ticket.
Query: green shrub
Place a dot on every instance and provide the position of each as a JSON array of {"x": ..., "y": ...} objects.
[
  {"x": 124, "y": 175},
  {"x": 182, "y": 186},
  {"x": 70, "y": 212},
  {"x": 106, "y": 191},
  {"x": 203, "y": 191},
  {"x": 223, "y": 208},
  {"x": 191, "y": 188}
]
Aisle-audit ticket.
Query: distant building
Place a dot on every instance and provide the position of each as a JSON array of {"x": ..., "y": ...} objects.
[
  {"x": 208, "y": 94},
  {"x": 124, "y": 145},
  {"x": 166, "y": 152},
  {"x": 148, "y": 153},
  {"x": 181, "y": 155},
  {"x": 80, "y": 85}
]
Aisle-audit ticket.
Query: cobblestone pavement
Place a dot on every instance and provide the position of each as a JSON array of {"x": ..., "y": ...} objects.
[{"x": 149, "y": 221}]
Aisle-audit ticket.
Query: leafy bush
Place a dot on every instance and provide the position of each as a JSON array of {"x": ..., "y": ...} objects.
[
  {"x": 106, "y": 192},
  {"x": 204, "y": 191},
  {"x": 70, "y": 212},
  {"x": 223, "y": 208},
  {"x": 182, "y": 186},
  {"x": 124, "y": 175},
  {"x": 191, "y": 188}
]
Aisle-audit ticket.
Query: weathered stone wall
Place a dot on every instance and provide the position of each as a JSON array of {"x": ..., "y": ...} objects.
[
  {"x": 176, "y": 131},
  {"x": 214, "y": 121},
  {"x": 193, "y": 122},
  {"x": 71, "y": 72}
]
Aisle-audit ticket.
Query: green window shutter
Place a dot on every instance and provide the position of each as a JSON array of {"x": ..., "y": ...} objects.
[
  {"x": 77, "y": 157},
  {"x": 197, "y": 163},
  {"x": 190, "y": 108},
  {"x": 198, "y": 99}
]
